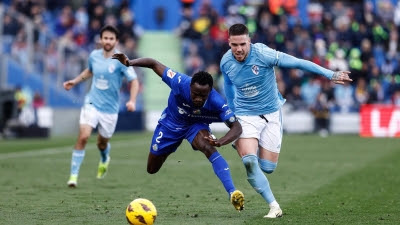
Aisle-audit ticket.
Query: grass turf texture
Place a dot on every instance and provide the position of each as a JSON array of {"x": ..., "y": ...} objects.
[{"x": 334, "y": 180}]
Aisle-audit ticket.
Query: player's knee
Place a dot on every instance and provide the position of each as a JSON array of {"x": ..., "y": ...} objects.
[
  {"x": 267, "y": 166},
  {"x": 250, "y": 163},
  {"x": 83, "y": 140}
]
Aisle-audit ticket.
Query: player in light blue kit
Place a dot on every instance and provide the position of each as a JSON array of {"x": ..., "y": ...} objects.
[
  {"x": 101, "y": 105},
  {"x": 252, "y": 93},
  {"x": 193, "y": 104}
]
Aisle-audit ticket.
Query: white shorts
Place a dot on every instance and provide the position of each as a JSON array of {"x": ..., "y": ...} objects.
[
  {"x": 91, "y": 116},
  {"x": 269, "y": 134}
]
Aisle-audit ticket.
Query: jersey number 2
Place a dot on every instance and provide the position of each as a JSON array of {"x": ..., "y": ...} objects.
[{"x": 160, "y": 134}]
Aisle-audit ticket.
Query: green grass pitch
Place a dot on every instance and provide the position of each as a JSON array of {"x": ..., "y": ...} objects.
[{"x": 335, "y": 180}]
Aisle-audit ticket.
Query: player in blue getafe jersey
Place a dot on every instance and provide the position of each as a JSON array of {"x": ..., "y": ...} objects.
[
  {"x": 252, "y": 93},
  {"x": 101, "y": 105},
  {"x": 193, "y": 104}
]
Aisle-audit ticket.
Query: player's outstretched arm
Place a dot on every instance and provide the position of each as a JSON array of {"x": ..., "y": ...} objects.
[
  {"x": 84, "y": 75},
  {"x": 153, "y": 64}
]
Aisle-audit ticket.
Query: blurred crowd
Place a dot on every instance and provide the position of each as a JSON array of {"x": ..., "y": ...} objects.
[
  {"x": 64, "y": 33},
  {"x": 356, "y": 36}
]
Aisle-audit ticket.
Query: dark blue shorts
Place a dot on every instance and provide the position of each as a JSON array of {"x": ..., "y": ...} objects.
[{"x": 166, "y": 140}]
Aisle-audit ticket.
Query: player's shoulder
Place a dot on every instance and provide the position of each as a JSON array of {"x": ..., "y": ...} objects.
[
  {"x": 227, "y": 58},
  {"x": 260, "y": 47},
  {"x": 96, "y": 53},
  {"x": 216, "y": 98}
]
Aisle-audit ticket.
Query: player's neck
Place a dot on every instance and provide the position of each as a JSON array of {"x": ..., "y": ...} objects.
[{"x": 108, "y": 54}]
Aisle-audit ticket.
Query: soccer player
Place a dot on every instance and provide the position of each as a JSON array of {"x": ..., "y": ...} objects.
[
  {"x": 193, "y": 104},
  {"x": 252, "y": 93},
  {"x": 101, "y": 105}
]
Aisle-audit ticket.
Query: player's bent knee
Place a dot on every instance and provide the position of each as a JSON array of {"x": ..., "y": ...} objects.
[
  {"x": 250, "y": 162},
  {"x": 267, "y": 166}
]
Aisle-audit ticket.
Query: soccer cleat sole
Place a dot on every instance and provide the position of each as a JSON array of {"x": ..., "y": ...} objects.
[{"x": 237, "y": 200}]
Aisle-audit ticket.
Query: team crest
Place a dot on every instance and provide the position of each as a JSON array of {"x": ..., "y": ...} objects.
[
  {"x": 111, "y": 68},
  {"x": 255, "y": 69}
]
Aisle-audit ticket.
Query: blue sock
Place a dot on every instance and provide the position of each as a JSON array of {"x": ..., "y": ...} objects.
[
  {"x": 76, "y": 161},
  {"x": 221, "y": 169},
  {"x": 257, "y": 178},
  {"x": 104, "y": 153}
]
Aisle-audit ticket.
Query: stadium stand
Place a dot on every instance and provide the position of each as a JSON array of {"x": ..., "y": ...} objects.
[{"x": 50, "y": 40}]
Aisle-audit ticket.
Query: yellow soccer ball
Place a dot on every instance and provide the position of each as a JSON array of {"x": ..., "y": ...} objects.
[{"x": 141, "y": 212}]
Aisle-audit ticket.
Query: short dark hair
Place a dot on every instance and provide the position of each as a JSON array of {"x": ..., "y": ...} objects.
[
  {"x": 111, "y": 29},
  {"x": 202, "y": 78},
  {"x": 238, "y": 29}
]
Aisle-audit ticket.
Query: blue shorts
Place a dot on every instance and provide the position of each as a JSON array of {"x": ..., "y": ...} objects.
[{"x": 166, "y": 140}]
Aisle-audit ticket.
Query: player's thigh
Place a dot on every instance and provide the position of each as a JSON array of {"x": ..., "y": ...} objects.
[
  {"x": 271, "y": 137},
  {"x": 252, "y": 127},
  {"x": 246, "y": 146},
  {"x": 89, "y": 116},
  {"x": 107, "y": 124},
  {"x": 195, "y": 135},
  {"x": 165, "y": 141}
]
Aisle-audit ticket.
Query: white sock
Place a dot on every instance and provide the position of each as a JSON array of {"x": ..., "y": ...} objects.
[{"x": 274, "y": 204}]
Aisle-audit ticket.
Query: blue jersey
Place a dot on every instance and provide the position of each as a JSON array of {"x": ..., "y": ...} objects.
[
  {"x": 180, "y": 113},
  {"x": 251, "y": 87},
  {"x": 107, "y": 79}
]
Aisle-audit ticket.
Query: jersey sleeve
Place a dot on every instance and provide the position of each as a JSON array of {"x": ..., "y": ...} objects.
[
  {"x": 175, "y": 80},
  {"x": 268, "y": 55},
  {"x": 129, "y": 73},
  {"x": 288, "y": 61},
  {"x": 229, "y": 90},
  {"x": 220, "y": 105},
  {"x": 90, "y": 62}
]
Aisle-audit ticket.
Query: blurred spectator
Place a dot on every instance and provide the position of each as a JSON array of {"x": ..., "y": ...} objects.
[
  {"x": 20, "y": 98},
  {"x": 361, "y": 93},
  {"x": 295, "y": 100},
  {"x": 344, "y": 98},
  {"x": 321, "y": 112}
]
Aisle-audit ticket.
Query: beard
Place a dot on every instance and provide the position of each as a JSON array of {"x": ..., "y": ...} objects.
[{"x": 108, "y": 47}]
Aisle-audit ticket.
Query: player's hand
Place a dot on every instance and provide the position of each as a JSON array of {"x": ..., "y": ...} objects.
[
  {"x": 69, "y": 84},
  {"x": 122, "y": 58},
  {"x": 131, "y": 106},
  {"x": 339, "y": 77},
  {"x": 213, "y": 140}
]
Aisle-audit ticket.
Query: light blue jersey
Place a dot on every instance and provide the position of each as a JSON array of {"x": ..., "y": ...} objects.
[
  {"x": 250, "y": 86},
  {"x": 106, "y": 82}
]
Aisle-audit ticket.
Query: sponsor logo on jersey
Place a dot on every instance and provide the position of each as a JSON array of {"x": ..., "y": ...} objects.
[
  {"x": 249, "y": 91},
  {"x": 111, "y": 68},
  {"x": 184, "y": 104},
  {"x": 255, "y": 69},
  {"x": 101, "y": 83},
  {"x": 197, "y": 111},
  {"x": 229, "y": 111},
  {"x": 170, "y": 73},
  {"x": 224, "y": 105}
]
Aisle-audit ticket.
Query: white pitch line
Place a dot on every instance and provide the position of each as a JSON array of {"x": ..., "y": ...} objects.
[{"x": 58, "y": 150}]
